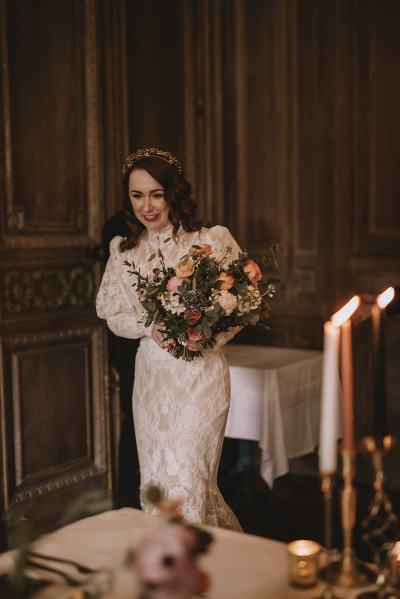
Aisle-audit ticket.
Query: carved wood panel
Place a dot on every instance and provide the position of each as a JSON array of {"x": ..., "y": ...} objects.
[
  {"x": 50, "y": 125},
  {"x": 52, "y": 411},
  {"x": 56, "y": 108},
  {"x": 376, "y": 128}
]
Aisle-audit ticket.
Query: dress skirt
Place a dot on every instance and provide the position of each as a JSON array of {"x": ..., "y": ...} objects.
[{"x": 180, "y": 410}]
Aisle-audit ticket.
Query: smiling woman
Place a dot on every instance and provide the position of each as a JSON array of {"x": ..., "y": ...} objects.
[
  {"x": 180, "y": 408},
  {"x": 148, "y": 200}
]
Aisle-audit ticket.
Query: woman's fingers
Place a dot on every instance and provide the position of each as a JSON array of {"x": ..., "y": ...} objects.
[{"x": 194, "y": 345}]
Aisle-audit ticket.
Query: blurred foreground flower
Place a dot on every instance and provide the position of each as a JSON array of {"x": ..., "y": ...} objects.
[{"x": 165, "y": 563}]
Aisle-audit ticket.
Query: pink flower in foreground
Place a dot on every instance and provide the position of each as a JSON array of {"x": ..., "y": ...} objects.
[
  {"x": 253, "y": 271},
  {"x": 165, "y": 566},
  {"x": 174, "y": 283}
]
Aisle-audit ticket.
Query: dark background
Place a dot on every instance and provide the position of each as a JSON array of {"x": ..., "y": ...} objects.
[{"x": 285, "y": 113}]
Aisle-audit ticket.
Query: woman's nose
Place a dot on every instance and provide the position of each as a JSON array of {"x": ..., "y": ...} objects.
[{"x": 147, "y": 204}]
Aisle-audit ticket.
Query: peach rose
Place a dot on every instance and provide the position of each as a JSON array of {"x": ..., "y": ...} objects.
[
  {"x": 226, "y": 281},
  {"x": 184, "y": 268},
  {"x": 201, "y": 249},
  {"x": 174, "y": 283},
  {"x": 253, "y": 271}
]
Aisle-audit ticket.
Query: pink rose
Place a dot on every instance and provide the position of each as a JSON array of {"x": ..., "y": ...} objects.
[
  {"x": 184, "y": 268},
  {"x": 225, "y": 281},
  {"x": 174, "y": 283},
  {"x": 192, "y": 316},
  {"x": 253, "y": 271},
  {"x": 201, "y": 249},
  {"x": 194, "y": 336}
]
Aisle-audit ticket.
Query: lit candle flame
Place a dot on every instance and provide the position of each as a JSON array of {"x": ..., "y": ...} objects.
[
  {"x": 385, "y": 298},
  {"x": 345, "y": 313}
]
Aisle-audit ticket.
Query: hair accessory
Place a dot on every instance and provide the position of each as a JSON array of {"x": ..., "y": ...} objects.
[{"x": 149, "y": 153}]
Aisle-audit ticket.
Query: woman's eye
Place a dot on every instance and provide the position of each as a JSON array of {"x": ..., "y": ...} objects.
[
  {"x": 158, "y": 196},
  {"x": 135, "y": 196}
]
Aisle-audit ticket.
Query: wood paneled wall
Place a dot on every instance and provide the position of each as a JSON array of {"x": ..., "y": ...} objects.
[
  {"x": 285, "y": 115},
  {"x": 291, "y": 134},
  {"x": 54, "y": 421}
]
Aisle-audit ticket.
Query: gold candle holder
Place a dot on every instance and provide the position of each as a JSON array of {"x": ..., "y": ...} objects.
[
  {"x": 348, "y": 571},
  {"x": 327, "y": 488},
  {"x": 381, "y": 527},
  {"x": 394, "y": 566},
  {"x": 303, "y": 562}
]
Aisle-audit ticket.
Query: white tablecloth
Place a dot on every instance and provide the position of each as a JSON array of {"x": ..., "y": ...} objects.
[
  {"x": 275, "y": 400},
  {"x": 241, "y": 566}
]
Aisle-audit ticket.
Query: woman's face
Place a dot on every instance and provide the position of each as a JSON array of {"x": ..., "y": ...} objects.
[{"x": 148, "y": 200}]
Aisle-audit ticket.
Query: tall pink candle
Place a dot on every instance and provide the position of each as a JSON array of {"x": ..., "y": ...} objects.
[
  {"x": 346, "y": 375},
  {"x": 342, "y": 320}
]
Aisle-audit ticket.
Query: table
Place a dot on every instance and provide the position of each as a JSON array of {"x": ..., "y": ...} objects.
[
  {"x": 241, "y": 566},
  {"x": 275, "y": 400}
]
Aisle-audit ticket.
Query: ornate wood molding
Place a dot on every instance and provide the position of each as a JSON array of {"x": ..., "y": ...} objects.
[
  {"x": 47, "y": 289},
  {"x": 54, "y": 484}
]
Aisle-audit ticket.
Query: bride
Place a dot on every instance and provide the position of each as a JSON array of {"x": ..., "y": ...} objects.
[{"x": 180, "y": 408}]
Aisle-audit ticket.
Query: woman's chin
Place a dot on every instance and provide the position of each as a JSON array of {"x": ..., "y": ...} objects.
[{"x": 153, "y": 225}]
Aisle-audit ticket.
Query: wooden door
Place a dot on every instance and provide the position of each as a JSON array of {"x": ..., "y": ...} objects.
[{"x": 53, "y": 405}]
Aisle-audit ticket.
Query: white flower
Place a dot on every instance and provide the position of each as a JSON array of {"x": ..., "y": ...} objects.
[
  {"x": 171, "y": 303},
  {"x": 226, "y": 300},
  {"x": 250, "y": 300}
]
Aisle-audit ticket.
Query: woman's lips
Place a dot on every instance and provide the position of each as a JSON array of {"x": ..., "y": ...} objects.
[{"x": 151, "y": 217}]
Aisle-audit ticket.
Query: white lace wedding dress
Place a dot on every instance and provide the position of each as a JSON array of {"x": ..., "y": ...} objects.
[{"x": 179, "y": 407}]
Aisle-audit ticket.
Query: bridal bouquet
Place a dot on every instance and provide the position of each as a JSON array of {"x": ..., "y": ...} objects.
[{"x": 202, "y": 296}]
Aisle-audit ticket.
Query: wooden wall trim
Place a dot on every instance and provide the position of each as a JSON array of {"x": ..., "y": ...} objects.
[
  {"x": 241, "y": 108},
  {"x": 9, "y": 203},
  {"x": 93, "y": 122},
  {"x": 115, "y": 109},
  {"x": 189, "y": 91},
  {"x": 203, "y": 80}
]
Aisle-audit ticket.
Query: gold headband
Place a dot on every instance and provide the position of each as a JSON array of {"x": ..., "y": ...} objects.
[{"x": 150, "y": 153}]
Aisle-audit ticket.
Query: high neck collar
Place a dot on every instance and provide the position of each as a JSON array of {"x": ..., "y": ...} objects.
[{"x": 161, "y": 234}]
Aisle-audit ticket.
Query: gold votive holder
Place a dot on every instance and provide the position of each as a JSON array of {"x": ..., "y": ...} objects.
[
  {"x": 303, "y": 556},
  {"x": 394, "y": 565}
]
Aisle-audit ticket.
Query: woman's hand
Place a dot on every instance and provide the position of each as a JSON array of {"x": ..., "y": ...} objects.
[
  {"x": 194, "y": 345},
  {"x": 158, "y": 335},
  {"x": 195, "y": 340}
]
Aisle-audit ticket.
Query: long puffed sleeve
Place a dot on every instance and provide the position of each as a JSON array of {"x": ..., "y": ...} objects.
[
  {"x": 221, "y": 238},
  {"x": 122, "y": 310}
]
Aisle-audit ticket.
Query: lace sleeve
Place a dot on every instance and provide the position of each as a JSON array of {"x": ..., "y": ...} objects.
[
  {"x": 221, "y": 239},
  {"x": 123, "y": 312}
]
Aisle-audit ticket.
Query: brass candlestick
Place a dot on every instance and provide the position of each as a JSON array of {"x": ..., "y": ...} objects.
[
  {"x": 381, "y": 527},
  {"x": 348, "y": 571},
  {"x": 327, "y": 488}
]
